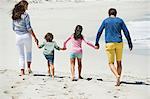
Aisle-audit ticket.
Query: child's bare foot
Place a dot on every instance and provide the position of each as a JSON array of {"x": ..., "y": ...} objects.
[
  {"x": 49, "y": 73},
  {"x": 53, "y": 77},
  {"x": 74, "y": 79},
  {"x": 29, "y": 70},
  {"x": 118, "y": 82},
  {"x": 22, "y": 72}
]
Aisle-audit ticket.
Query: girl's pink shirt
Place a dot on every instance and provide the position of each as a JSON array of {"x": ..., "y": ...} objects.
[{"x": 76, "y": 45}]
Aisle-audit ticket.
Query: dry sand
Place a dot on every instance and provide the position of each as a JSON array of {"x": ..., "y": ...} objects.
[{"x": 61, "y": 18}]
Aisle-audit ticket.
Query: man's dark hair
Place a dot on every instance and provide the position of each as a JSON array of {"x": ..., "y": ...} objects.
[{"x": 112, "y": 11}]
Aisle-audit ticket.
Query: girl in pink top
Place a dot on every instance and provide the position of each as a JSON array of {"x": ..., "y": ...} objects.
[{"x": 76, "y": 50}]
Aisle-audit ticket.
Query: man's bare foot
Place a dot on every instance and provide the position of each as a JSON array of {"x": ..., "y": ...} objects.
[{"x": 118, "y": 82}]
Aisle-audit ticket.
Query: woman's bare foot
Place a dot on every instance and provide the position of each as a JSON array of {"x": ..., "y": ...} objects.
[{"x": 72, "y": 78}]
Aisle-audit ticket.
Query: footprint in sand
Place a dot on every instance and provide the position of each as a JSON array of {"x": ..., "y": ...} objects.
[
  {"x": 108, "y": 91},
  {"x": 69, "y": 91},
  {"x": 59, "y": 80},
  {"x": 51, "y": 95},
  {"x": 36, "y": 89},
  {"x": 82, "y": 93},
  {"x": 18, "y": 82},
  {"x": 6, "y": 92},
  {"x": 65, "y": 86},
  {"x": 13, "y": 86},
  {"x": 14, "y": 97},
  {"x": 116, "y": 96},
  {"x": 3, "y": 71},
  {"x": 65, "y": 93},
  {"x": 12, "y": 92}
]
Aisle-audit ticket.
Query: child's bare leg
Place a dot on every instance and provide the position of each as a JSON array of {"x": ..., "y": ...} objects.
[
  {"x": 29, "y": 67},
  {"x": 49, "y": 71},
  {"x": 72, "y": 62},
  {"x": 79, "y": 67},
  {"x": 22, "y": 72},
  {"x": 53, "y": 70},
  {"x": 114, "y": 70}
]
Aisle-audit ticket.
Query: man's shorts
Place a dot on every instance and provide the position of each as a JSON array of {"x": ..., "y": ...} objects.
[
  {"x": 114, "y": 50},
  {"x": 75, "y": 55}
]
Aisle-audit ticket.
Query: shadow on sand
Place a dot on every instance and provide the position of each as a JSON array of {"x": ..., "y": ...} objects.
[{"x": 134, "y": 83}]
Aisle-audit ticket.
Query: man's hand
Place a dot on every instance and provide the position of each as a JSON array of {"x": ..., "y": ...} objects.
[
  {"x": 96, "y": 47},
  {"x": 130, "y": 46}
]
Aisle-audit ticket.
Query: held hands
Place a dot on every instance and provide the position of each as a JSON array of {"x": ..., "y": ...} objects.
[
  {"x": 96, "y": 46},
  {"x": 62, "y": 48},
  {"x": 37, "y": 42}
]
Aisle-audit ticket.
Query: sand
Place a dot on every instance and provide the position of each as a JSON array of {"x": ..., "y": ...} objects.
[{"x": 60, "y": 18}]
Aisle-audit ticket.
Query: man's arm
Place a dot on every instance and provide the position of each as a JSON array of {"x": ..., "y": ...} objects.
[
  {"x": 99, "y": 33},
  {"x": 127, "y": 35}
]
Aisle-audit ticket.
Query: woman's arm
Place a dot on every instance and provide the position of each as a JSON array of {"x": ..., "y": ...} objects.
[
  {"x": 33, "y": 35},
  {"x": 42, "y": 45},
  {"x": 29, "y": 28}
]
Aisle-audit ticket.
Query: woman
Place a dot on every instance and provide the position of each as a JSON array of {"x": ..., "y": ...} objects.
[{"x": 23, "y": 29}]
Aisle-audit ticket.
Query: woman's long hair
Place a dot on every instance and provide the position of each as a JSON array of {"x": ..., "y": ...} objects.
[
  {"x": 78, "y": 31},
  {"x": 19, "y": 9}
]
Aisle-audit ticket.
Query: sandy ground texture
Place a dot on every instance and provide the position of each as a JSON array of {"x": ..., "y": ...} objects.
[{"x": 60, "y": 18}]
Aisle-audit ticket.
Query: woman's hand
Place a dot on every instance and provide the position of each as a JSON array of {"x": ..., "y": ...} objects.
[{"x": 36, "y": 41}]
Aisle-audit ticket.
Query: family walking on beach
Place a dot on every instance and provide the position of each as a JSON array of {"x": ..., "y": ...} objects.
[{"x": 114, "y": 44}]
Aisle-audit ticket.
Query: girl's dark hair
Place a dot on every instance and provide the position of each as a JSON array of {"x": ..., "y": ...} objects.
[
  {"x": 19, "y": 9},
  {"x": 49, "y": 37},
  {"x": 112, "y": 11},
  {"x": 78, "y": 31}
]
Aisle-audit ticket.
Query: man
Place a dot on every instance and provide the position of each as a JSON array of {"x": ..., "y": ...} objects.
[{"x": 113, "y": 38}]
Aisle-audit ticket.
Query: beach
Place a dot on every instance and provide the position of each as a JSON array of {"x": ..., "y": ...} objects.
[{"x": 60, "y": 18}]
